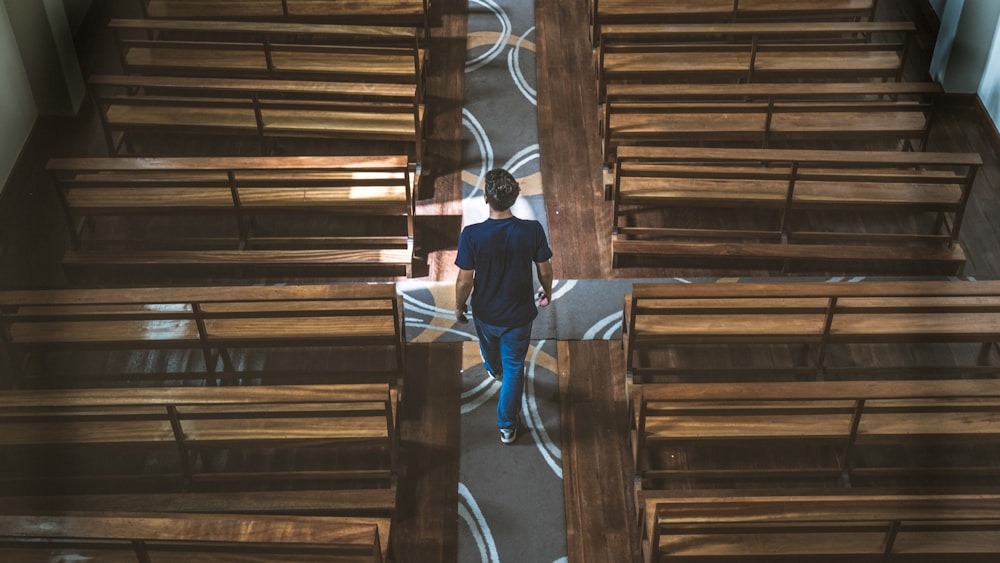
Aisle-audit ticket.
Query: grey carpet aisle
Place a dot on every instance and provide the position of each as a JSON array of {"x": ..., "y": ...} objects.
[{"x": 511, "y": 502}]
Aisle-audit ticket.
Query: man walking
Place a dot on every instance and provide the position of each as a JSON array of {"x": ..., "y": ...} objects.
[{"x": 495, "y": 260}]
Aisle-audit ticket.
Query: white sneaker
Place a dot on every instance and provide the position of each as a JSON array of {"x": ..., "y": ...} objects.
[{"x": 508, "y": 435}]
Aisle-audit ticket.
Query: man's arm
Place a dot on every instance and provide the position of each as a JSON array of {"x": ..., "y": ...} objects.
[
  {"x": 463, "y": 287},
  {"x": 544, "y": 270}
]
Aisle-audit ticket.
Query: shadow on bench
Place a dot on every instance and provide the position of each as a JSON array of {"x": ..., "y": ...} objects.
[
  {"x": 164, "y": 537},
  {"x": 817, "y": 527},
  {"x": 758, "y": 331},
  {"x": 289, "y": 334},
  {"x": 940, "y": 433}
]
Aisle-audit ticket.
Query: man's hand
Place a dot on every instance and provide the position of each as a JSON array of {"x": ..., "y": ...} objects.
[
  {"x": 460, "y": 314},
  {"x": 543, "y": 297}
]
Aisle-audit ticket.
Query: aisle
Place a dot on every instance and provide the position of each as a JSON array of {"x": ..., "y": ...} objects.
[{"x": 511, "y": 504}]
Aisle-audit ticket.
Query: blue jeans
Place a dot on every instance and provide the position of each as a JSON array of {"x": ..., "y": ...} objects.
[{"x": 504, "y": 349}]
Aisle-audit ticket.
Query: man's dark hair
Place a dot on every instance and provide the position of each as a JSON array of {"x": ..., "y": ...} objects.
[{"x": 501, "y": 189}]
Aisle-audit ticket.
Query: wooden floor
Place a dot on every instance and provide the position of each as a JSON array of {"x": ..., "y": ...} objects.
[{"x": 32, "y": 238}]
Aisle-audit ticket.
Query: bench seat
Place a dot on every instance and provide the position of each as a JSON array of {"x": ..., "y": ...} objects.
[
  {"x": 759, "y": 114},
  {"x": 270, "y": 214},
  {"x": 751, "y": 52},
  {"x": 825, "y": 527},
  {"x": 391, "y": 12},
  {"x": 265, "y": 109},
  {"x": 156, "y": 536},
  {"x": 963, "y": 317},
  {"x": 360, "y": 323},
  {"x": 638, "y": 11},
  {"x": 245, "y": 49},
  {"x": 778, "y": 421},
  {"x": 197, "y": 425},
  {"x": 848, "y": 258},
  {"x": 801, "y": 188},
  {"x": 392, "y": 261}
]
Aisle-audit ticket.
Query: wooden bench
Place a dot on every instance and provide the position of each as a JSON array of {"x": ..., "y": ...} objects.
[
  {"x": 260, "y": 207},
  {"x": 789, "y": 330},
  {"x": 771, "y": 432},
  {"x": 816, "y": 198},
  {"x": 307, "y": 333},
  {"x": 264, "y": 109},
  {"x": 191, "y": 439},
  {"x": 137, "y": 537},
  {"x": 271, "y": 50},
  {"x": 752, "y": 52},
  {"x": 641, "y": 11},
  {"x": 808, "y": 115},
  {"x": 382, "y": 12},
  {"x": 813, "y": 527}
]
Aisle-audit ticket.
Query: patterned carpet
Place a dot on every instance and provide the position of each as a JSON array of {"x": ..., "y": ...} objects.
[{"x": 510, "y": 497}]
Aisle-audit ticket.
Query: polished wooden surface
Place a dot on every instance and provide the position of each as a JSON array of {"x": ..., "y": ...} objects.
[{"x": 33, "y": 237}]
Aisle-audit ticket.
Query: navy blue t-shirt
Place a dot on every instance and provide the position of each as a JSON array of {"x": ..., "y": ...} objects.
[{"x": 503, "y": 253}]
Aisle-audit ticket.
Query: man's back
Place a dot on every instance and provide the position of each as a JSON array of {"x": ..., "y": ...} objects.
[{"x": 503, "y": 252}]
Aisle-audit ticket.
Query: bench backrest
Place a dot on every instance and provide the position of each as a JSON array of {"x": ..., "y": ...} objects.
[
  {"x": 752, "y": 52},
  {"x": 392, "y": 12},
  {"x": 792, "y": 180},
  {"x": 814, "y": 314},
  {"x": 364, "y": 319},
  {"x": 241, "y": 187},
  {"x": 262, "y": 108},
  {"x": 741, "y": 527},
  {"x": 182, "y": 425},
  {"x": 760, "y": 112},
  {"x": 640, "y": 11},
  {"x": 841, "y": 414},
  {"x": 275, "y": 49},
  {"x": 152, "y": 536}
]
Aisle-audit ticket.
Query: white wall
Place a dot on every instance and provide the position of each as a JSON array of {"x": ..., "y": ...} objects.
[
  {"x": 976, "y": 30},
  {"x": 967, "y": 53},
  {"x": 989, "y": 87},
  {"x": 76, "y": 11},
  {"x": 950, "y": 13},
  {"x": 17, "y": 105},
  {"x": 49, "y": 55}
]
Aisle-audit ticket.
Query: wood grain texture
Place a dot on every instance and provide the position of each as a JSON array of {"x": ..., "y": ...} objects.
[{"x": 595, "y": 458}]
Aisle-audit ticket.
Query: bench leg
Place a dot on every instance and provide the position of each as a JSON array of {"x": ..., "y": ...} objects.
[
  {"x": 212, "y": 361},
  {"x": 984, "y": 353},
  {"x": 16, "y": 378}
]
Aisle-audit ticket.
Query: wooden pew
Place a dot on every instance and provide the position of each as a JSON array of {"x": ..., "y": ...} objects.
[
  {"x": 261, "y": 209},
  {"x": 640, "y": 11},
  {"x": 327, "y": 450},
  {"x": 761, "y": 114},
  {"x": 264, "y": 109},
  {"x": 850, "y": 433},
  {"x": 137, "y": 537},
  {"x": 803, "y": 188},
  {"x": 791, "y": 330},
  {"x": 380, "y": 12},
  {"x": 192, "y": 439},
  {"x": 279, "y": 50},
  {"x": 351, "y": 333},
  {"x": 815, "y": 527},
  {"x": 752, "y": 52}
]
